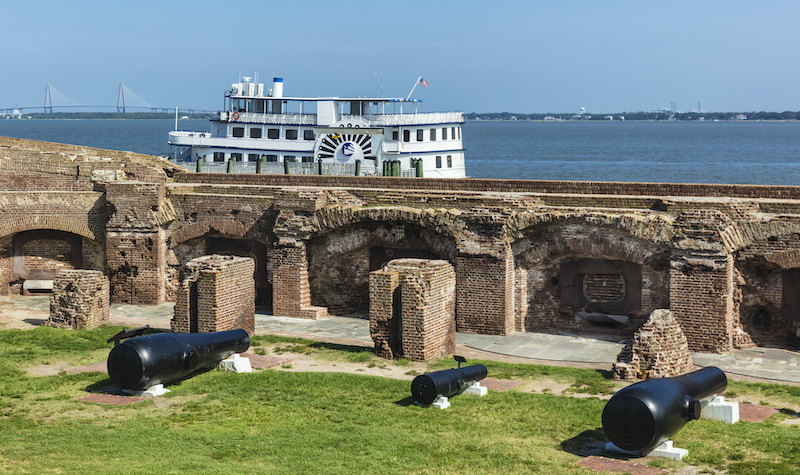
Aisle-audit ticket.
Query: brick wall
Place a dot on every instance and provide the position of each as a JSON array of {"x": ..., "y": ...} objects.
[
  {"x": 424, "y": 327},
  {"x": 518, "y": 186},
  {"x": 135, "y": 242},
  {"x": 485, "y": 294},
  {"x": 218, "y": 294},
  {"x": 291, "y": 296},
  {"x": 80, "y": 300},
  {"x": 723, "y": 257}
]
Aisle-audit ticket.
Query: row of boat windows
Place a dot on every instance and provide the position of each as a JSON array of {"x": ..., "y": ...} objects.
[
  {"x": 308, "y": 134},
  {"x": 289, "y": 134},
  {"x": 254, "y": 157},
  {"x": 432, "y": 134}
]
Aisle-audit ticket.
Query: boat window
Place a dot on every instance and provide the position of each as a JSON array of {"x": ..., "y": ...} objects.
[
  {"x": 419, "y": 135},
  {"x": 449, "y": 161},
  {"x": 438, "y": 161},
  {"x": 395, "y": 135},
  {"x": 444, "y": 133},
  {"x": 291, "y": 134},
  {"x": 252, "y": 157},
  {"x": 273, "y": 133},
  {"x": 238, "y": 131},
  {"x": 236, "y": 157},
  {"x": 255, "y": 133},
  {"x": 272, "y": 158},
  {"x": 307, "y": 159},
  {"x": 219, "y": 156},
  {"x": 308, "y": 134},
  {"x": 459, "y": 133},
  {"x": 453, "y": 132},
  {"x": 289, "y": 158},
  {"x": 433, "y": 135},
  {"x": 406, "y": 136}
]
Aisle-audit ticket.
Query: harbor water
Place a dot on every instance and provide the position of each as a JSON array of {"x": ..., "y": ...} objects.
[{"x": 748, "y": 152}]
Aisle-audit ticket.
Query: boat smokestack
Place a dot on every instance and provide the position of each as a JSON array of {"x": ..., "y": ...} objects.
[{"x": 277, "y": 87}]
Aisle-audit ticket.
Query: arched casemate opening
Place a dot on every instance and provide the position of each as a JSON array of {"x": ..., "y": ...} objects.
[
  {"x": 340, "y": 260},
  {"x": 229, "y": 246},
  {"x": 587, "y": 278},
  {"x": 37, "y": 255}
]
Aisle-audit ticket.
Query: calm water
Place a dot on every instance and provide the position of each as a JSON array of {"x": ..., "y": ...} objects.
[{"x": 681, "y": 152}]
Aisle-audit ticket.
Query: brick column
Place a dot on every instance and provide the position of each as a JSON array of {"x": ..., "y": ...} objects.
[
  {"x": 412, "y": 309},
  {"x": 485, "y": 294},
  {"x": 701, "y": 298},
  {"x": 701, "y": 288},
  {"x": 291, "y": 294},
  {"x": 384, "y": 312},
  {"x": 218, "y": 294},
  {"x": 135, "y": 242}
]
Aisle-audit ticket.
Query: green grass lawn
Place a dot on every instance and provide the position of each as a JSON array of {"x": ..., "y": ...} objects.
[{"x": 283, "y": 422}]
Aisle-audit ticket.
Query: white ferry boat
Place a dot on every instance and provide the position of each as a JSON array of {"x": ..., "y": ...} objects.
[{"x": 267, "y": 126}]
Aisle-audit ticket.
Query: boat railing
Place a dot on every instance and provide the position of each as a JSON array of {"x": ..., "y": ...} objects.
[
  {"x": 279, "y": 168},
  {"x": 260, "y": 118},
  {"x": 390, "y": 120},
  {"x": 189, "y": 133}
]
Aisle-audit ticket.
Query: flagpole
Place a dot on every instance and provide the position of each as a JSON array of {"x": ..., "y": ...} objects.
[{"x": 412, "y": 89}]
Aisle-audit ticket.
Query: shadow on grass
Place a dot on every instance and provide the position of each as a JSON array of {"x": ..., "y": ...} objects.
[
  {"x": 106, "y": 386},
  {"x": 409, "y": 401},
  {"x": 588, "y": 442}
]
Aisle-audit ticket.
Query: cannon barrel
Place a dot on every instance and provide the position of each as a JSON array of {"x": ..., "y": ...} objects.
[
  {"x": 144, "y": 361},
  {"x": 427, "y": 387},
  {"x": 646, "y": 414}
]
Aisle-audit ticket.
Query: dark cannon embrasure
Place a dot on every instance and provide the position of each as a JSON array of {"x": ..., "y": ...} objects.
[
  {"x": 644, "y": 415},
  {"x": 144, "y": 361},
  {"x": 426, "y": 388}
]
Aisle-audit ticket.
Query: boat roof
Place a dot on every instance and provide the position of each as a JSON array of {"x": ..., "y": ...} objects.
[{"x": 320, "y": 99}]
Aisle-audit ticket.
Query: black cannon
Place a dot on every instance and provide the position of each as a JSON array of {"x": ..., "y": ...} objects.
[
  {"x": 644, "y": 415},
  {"x": 427, "y": 387},
  {"x": 144, "y": 361}
]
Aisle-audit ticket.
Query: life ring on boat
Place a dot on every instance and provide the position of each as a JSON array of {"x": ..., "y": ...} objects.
[{"x": 235, "y": 116}]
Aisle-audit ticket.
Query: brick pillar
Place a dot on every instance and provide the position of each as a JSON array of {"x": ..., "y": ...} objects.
[
  {"x": 384, "y": 314},
  {"x": 135, "y": 242},
  {"x": 412, "y": 309},
  {"x": 485, "y": 294},
  {"x": 291, "y": 294},
  {"x": 701, "y": 298},
  {"x": 218, "y": 294},
  {"x": 702, "y": 279}
]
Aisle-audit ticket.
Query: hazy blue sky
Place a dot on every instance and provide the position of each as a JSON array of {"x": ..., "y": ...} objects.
[{"x": 478, "y": 56}]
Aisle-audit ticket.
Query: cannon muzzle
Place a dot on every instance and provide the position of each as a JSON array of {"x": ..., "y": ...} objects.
[
  {"x": 160, "y": 358},
  {"x": 427, "y": 387},
  {"x": 644, "y": 415}
]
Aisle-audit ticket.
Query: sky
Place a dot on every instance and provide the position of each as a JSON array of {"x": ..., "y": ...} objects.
[{"x": 477, "y": 56}]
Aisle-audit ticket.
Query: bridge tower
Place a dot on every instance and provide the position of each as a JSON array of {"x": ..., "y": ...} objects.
[
  {"x": 48, "y": 98},
  {"x": 120, "y": 98}
]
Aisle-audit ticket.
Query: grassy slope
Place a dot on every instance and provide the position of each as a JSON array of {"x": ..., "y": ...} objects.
[{"x": 281, "y": 422}]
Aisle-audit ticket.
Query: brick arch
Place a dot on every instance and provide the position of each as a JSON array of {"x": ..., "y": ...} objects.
[
  {"x": 552, "y": 252},
  {"x": 442, "y": 222},
  {"x": 227, "y": 227},
  {"x": 54, "y": 223},
  {"x": 654, "y": 228},
  {"x": 346, "y": 245}
]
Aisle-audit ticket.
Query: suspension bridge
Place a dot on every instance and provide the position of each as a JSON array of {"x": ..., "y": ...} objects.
[{"x": 64, "y": 101}]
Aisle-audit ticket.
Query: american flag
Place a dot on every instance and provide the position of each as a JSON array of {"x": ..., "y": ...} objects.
[{"x": 423, "y": 82}]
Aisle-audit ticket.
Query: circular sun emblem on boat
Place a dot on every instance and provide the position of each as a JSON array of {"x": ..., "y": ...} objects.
[{"x": 344, "y": 147}]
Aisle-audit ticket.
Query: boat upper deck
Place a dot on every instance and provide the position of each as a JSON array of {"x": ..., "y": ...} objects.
[{"x": 374, "y": 120}]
